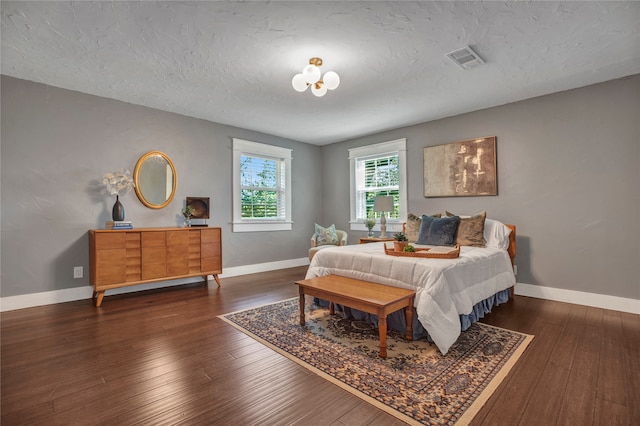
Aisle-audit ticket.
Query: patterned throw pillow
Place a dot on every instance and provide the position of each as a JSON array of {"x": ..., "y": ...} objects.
[
  {"x": 326, "y": 236},
  {"x": 413, "y": 226},
  {"x": 438, "y": 231},
  {"x": 471, "y": 230}
]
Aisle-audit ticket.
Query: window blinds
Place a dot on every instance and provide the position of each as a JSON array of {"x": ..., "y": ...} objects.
[
  {"x": 375, "y": 176},
  {"x": 262, "y": 182}
]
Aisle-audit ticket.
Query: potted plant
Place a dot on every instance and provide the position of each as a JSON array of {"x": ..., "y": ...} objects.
[
  {"x": 187, "y": 212},
  {"x": 400, "y": 241}
]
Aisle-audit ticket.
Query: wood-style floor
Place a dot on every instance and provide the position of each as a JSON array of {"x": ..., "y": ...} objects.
[{"x": 163, "y": 357}]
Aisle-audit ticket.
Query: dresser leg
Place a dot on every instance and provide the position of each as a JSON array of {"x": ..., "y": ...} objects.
[
  {"x": 215, "y": 277},
  {"x": 97, "y": 297}
]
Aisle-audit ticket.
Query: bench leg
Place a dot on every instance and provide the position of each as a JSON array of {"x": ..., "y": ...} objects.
[
  {"x": 382, "y": 330},
  {"x": 408, "y": 316},
  {"x": 301, "y": 291}
]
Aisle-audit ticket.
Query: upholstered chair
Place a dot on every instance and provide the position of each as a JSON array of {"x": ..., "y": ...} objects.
[{"x": 342, "y": 240}]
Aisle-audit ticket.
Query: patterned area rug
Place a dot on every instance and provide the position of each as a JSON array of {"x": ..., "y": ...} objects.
[{"x": 415, "y": 383}]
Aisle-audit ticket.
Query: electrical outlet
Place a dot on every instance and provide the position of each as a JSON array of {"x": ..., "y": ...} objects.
[
  {"x": 77, "y": 272},
  {"x": 515, "y": 269}
]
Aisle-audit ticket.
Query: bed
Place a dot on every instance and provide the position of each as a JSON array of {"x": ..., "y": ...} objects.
[{"x": 451, "y": 294}]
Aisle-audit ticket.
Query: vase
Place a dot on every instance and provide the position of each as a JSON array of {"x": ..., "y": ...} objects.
[
  {"x": 187, "y": 222},
  {"x": 400, "y": 245},
  {"x": 117, "y": 213},
  {"x": 370, "y": 234}
]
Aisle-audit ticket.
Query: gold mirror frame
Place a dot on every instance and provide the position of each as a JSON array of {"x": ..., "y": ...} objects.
[{"x": 137, "y": 179}]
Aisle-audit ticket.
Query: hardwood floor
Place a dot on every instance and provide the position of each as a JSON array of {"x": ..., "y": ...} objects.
[{"x": 163, "y": 357}]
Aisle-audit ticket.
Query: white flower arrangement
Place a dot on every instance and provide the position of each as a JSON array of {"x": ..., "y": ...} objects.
[{"x": 119, "y": 181}]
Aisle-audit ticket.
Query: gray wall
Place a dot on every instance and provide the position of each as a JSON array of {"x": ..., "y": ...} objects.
[
  {"x": 57, "y": 144},
  {"x": 568, "y": 178},
  {"x": 568, "y": 166}
]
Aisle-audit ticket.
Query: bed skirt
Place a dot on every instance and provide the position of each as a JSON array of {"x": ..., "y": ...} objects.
[{"x": 397, "y": 321}]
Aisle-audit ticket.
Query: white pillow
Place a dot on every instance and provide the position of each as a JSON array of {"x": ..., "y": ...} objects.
[{"x": 496, "y": 234}]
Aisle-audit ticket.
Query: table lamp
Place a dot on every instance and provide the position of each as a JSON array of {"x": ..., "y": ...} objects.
[{"x": 383, "y": 204}]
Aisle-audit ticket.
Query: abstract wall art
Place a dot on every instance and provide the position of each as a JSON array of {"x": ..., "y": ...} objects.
[{"x": 461, "y": 169}]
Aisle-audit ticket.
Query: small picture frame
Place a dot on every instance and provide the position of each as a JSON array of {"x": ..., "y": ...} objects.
[{"x": 200, "y": 207}]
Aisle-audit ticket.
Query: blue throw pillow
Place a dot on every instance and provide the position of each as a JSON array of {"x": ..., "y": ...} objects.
[{"x": 436, "y": 231}]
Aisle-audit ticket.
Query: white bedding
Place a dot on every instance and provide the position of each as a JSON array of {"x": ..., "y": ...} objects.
[{"x": 445, "y": 288}]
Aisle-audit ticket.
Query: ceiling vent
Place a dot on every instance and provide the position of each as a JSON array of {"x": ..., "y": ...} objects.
[{"x": 465, "y": 58}]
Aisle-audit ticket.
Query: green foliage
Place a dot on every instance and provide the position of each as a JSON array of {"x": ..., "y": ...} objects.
[
  {"x": 259, "y": 194},
  {"x": 400, "y": 236},
  {"x": 409, "y": 248},
  {"x": 187, "y": 211},
  {"x": 371, "y": 196},
  {"x": 382, "y": 179}
]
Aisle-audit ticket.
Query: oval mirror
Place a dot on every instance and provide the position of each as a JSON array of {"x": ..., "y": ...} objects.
[{"x": 156, "y": 179}]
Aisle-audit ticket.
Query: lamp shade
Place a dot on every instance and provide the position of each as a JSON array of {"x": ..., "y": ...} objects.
[
  {"x": 383, "y": 204},
  {"x": 299, "y": 83},
  {"x": 331, "y": 80},
  {"x": 318, "y": 89},
  {"x": 311, "y": 74}
]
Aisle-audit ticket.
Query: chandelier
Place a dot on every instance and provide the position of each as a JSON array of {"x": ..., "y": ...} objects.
[{"x": 311, "y": 76}]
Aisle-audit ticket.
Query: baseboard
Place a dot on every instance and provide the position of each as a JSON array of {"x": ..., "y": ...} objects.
[
  {"x": 264, "y": 267},
  {"x": 11, "y": 303},
  {"x": 22, "y": 301},
  {"x": 594, "y": 300}
]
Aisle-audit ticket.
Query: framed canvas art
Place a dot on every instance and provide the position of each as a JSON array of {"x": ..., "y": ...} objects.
[{"x": 461, "y": 169}]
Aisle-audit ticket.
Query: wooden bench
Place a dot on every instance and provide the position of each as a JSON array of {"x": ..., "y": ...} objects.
[{"x": 377, "y": 299}]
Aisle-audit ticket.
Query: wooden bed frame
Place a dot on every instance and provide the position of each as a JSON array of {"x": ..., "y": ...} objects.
[
  {"x": 512, "y": 252},
  {"x": 512, "y": 242}
]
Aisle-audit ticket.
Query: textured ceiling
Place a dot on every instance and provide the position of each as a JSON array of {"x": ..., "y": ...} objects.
[{"x": 232, "y": 62}]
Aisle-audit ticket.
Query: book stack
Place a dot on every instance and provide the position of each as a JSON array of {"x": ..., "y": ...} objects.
[{"x": 118, "y": 224}]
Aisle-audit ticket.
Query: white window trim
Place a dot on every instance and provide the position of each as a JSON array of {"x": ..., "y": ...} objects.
[
  {"x": 239, "y": 224},
  {"x": 399, "y": 146}
]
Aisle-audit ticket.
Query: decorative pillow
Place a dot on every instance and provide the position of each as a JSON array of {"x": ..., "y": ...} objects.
[
  {"x": 438, "y": 231},
  {"x": 471, "y": 230},
  {"x": 496, "y": 234},
  {"x": 413, "y": 226},
  {"x": 326, "y": 236}
]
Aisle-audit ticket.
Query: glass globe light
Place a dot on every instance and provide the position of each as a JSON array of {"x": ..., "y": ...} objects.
[
  {"x": 311, "y": 74},
  {"x": 319, "y": 89},
  {"x": 299, "y": 83},
  {"x": 331, "y": 80}
]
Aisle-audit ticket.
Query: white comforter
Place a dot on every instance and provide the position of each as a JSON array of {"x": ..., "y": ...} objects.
[{"x": 445, "y": 288}]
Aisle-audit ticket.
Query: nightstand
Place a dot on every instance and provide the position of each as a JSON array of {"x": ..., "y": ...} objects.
[{"x": 366, "y": 240}]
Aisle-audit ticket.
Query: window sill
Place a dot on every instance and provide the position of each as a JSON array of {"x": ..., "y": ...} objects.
[
  {"x": 391, "y": 226},
  {"x": 262, "y": 226}
]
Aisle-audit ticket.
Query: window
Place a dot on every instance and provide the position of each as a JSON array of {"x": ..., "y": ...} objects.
[
  {"x": 378, "y": 170},
  {"x": 261, "y": 187}
]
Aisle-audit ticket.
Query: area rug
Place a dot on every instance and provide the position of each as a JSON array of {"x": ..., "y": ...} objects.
[{"x": 416, "y": 383}]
